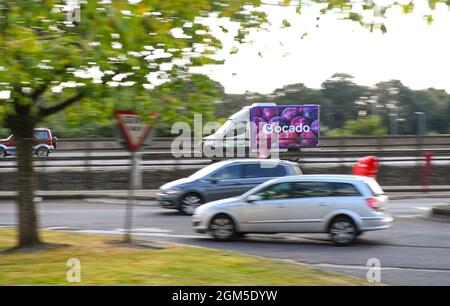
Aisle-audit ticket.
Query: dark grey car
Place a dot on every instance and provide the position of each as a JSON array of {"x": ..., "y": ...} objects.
[{"x": 222, "y": 180}]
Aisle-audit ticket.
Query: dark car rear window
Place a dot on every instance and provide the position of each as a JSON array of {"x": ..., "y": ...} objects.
[{"x": 256, "y": 170}]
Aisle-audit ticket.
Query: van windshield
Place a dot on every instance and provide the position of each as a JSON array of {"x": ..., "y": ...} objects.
[{"x": 225, "y": 127}]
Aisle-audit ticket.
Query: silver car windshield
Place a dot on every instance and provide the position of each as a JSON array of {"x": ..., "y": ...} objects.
[{"x": 257, "y": 188}]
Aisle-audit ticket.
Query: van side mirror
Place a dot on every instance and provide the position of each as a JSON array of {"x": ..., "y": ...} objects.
[{"x": 253, "y": 198}]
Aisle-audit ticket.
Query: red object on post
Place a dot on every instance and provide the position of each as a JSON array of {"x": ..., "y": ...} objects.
[
  {"x": 367, "y": 166},
  {"x": 427, "y": 170}
]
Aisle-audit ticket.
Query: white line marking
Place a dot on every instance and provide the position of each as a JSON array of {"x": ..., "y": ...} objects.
[
  {"x": 153, "y": 232},
  {"x": 356, "y": 267}
]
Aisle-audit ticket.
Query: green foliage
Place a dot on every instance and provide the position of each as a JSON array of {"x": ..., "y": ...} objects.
[
  {"x": 368, "y": 126},
  {"x": 285, "y": 24},
  {"x": 341, "y": 100},
  {"x": 174, "y": 101},
  {"x": 47, "y": 58}
]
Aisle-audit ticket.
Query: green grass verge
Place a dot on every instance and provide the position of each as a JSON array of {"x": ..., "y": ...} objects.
[{"x": 106, "y": 264}]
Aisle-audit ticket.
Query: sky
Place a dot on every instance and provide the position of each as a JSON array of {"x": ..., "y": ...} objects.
[
  {"x": 311, "y": 51},
  {"x": 411, "y": 51}
]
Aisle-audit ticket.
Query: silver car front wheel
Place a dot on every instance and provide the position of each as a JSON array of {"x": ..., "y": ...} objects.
[
  {"x": 189, "y": 203},
  {"x": 222, "y": 228},
  {"x": 343, "y": 231}
]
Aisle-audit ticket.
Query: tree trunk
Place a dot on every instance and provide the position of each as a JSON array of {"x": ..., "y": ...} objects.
[{"x": 28, "y": 229}]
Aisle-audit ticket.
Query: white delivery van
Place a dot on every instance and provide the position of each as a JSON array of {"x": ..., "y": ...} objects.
[{"x": 283, "y": 127}]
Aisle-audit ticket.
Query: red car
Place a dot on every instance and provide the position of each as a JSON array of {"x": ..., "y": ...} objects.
[{"x": 43, "y": 143}]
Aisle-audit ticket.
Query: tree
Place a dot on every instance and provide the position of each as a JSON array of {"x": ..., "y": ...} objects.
[
  {"x": 341, "y": 94},
  {"x": 182, "y": 99},
  {"x": 55, "y": 54}
]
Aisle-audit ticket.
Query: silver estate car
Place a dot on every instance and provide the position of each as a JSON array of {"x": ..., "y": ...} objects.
[
  {"x": 342, "y": 205},
  {"x": 221, "y": 180}
]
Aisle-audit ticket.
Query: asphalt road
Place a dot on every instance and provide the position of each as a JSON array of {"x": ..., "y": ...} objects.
[{"x": 415, "y": 251}]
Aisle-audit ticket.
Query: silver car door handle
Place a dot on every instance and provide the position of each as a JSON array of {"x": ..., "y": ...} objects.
[
  {"x": 324, "y": 204},
  {"x": 281, "y": 206}
]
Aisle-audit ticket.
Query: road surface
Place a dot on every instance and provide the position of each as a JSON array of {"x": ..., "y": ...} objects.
[{"x": 415, "y": 251}]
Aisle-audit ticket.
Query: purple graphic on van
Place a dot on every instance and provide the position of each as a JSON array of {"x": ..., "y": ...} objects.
[{"x": 289, "y": 126}]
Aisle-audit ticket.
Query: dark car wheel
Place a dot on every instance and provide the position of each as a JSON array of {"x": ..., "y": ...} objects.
[
  {"x": 189, "y": 203},
  {"x": 343, "y": 230},
  {"x": 222, "y": 228},
  {"x": 42, "y": 152}
]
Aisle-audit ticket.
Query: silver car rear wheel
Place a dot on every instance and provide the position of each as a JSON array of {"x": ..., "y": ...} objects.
[
  {"x": 189, "y": 203},
  {"x": 222, "y": 228},
  {"x": 343, "y": 231}
]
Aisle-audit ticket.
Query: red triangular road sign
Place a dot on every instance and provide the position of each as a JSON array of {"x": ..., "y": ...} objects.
[{"x": 133, "y": 130}]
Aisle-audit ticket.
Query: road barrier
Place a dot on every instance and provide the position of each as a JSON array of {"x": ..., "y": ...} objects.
[
  {"x": 326, "y": 143},
  {"x": 108, "y": 152},
  {"x": 89, "y": 163}
]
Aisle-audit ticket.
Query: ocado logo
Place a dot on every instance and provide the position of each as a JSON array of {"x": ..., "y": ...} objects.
[{"x": 269, "y": 128}]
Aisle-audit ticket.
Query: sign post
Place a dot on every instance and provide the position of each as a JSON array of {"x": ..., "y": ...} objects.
[
  {"x": 427, "y": 170},
  {"x": 131, "y": 195},
  {"x": 135, "y": 132}
]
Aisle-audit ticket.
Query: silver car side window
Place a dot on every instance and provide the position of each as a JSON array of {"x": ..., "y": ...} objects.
[
  {"x": 345, "y": 190},
  {"x": 276, "y": 191},
  {"x": 311, "y": 190}
]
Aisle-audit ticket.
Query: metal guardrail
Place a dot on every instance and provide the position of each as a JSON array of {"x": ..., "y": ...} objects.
[
  {"x": 333, "y": 150},
  {"x": 159, "y": 143},
  {"x": 168, "y": 160},
  {"x": 75, "y": 160}
]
